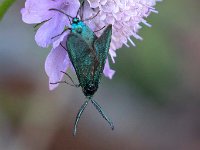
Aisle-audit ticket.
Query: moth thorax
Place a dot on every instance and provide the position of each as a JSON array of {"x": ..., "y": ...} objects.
[{"x": 78, "y": 29}]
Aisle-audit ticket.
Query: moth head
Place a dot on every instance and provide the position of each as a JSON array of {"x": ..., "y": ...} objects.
[
  {"x": 75, "y": 20},
  {"x": 90, "y": 89}
]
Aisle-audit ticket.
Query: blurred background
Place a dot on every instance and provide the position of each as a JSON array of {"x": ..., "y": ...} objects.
[{"x": 153, "y": 99}]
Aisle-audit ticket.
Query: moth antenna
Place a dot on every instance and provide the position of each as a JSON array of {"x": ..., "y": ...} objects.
[
  {"x": 82, "y": 3},
  {"x": 92, "y": 16},
  {"x": 100, "y": 29},
  {"x": 54, "y": 9},
  {"x": 78, "y": 116},
  {"x": 78, "y": 11},
  {"x": 98, "y": 107},
  {"x": 82, "y": 11}
]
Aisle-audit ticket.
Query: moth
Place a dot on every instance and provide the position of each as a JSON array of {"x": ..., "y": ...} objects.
[{"x": 88, "y": 54}]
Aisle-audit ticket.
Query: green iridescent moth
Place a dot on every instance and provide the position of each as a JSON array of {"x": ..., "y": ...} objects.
[{"x": 88, "y": 54}]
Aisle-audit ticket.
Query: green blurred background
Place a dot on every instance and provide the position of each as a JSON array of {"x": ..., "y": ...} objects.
[{"x": 153, "y": 99}]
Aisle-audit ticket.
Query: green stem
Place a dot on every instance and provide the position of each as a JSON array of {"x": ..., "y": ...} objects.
[{"x": 4, "y": 6}]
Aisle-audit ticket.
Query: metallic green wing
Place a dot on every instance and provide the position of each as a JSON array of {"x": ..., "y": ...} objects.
[
  {"x": 102, "y": 46},
  {"x": 82, "y": 57}
]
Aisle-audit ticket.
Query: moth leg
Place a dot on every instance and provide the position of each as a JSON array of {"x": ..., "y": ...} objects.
[
  {"x": 98, "y": 107},
  {"x": 63, "y": 47},
  {"x": 78, "y": 116},
  {"x": 76, "y": 85},
  {"x": 64, "y": 82},
  {"x": 41, "y": 23},
  {"x": 66, "y": 28}
]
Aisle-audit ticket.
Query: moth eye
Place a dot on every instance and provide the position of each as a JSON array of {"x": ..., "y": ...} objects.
[{"x": 75, "y": 20}]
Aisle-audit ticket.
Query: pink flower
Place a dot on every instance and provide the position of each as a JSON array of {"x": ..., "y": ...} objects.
[{"x": 124, "y": 15}]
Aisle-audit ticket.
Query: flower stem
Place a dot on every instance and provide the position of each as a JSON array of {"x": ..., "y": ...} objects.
[{"x": 4, "y": 6}]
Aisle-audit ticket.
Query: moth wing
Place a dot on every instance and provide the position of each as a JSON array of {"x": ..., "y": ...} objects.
[
  {"x": 81, "y": 56},
  {"x": 102, "y": 46}
]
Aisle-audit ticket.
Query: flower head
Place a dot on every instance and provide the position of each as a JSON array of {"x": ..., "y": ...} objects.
[
  {"x": 124, "y": 15},
  {"x": 37, "y": 11}
]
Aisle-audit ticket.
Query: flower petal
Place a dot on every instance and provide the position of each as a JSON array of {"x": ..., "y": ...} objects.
[
  {"x": 56, "y": 61},
  {"x": 62, "y": 37},
  {"x": 108, "y": 72},
  {"x": 50, "y": 29},
  {"x": 125, "y": 17},
  {"x": 36, "y": 11}
]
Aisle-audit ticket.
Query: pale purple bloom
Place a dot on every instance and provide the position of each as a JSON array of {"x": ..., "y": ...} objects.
[
  {"x": 37, "y": 11},
  {"x": 124, "y": 15},
  {"x": 56, "y": 61}
]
